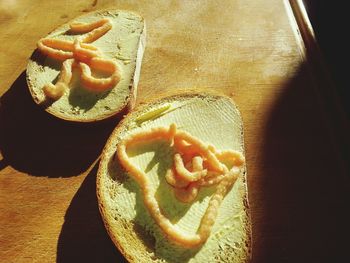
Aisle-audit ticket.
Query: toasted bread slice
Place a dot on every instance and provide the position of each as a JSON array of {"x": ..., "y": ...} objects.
[
  {"x": 124, "y": 43},
  {"x": 211, "y": 118}
]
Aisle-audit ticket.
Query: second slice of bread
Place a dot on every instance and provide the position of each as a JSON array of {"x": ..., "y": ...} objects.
[{"x": 124, "y": 43}]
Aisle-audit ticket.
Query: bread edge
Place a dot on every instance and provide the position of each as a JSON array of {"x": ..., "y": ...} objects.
[
  {"x": 142, "y": 107},
  {"x": 129, "y": 103}
]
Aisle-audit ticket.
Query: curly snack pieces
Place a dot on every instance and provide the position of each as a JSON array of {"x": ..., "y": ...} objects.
[
  {"x": 82, "y": 55},
  {"x": 196, "y": 164}
]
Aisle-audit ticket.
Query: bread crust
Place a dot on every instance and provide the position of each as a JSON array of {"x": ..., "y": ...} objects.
[
  {"x": 160, "y": 99},
  {"x": 128, "y": 103}
]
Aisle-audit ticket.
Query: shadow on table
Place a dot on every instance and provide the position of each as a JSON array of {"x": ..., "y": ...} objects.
[
  {"x": 83, "y": 237},
  {"x": 34, "y": 142},
  {"x": 299, "y": 197}
]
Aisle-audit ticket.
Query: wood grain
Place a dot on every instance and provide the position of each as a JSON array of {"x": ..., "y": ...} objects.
[{"x": 250, "y": 50}]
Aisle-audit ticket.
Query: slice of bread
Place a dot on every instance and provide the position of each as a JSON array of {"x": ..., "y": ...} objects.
[
  {"x": 211, "y": 118},
  {"x": 124, "y": 43}
]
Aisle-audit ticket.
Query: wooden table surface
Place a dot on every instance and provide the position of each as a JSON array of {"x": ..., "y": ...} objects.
[{"x": 261, "y": 53}]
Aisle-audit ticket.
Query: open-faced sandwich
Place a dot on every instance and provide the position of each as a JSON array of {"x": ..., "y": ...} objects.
[
  {"x": 171, "y": 184},
  {"x": 88, "y": 69}
]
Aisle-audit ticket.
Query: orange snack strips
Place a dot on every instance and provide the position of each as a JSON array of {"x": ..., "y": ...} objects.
[
  {"x": 207, "y": 169},
  {"x": 79, "y": 53},
  {"x": 57, "y": 90}
]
